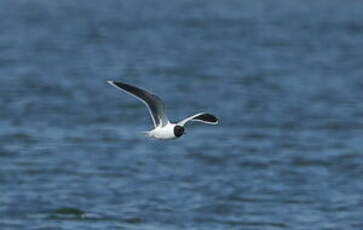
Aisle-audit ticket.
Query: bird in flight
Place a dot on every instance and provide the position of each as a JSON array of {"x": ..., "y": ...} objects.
[{"x": 163, "y": 128}]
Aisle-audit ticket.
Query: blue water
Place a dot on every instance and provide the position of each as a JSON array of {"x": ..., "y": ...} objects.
[{"x": 284, "y": 77}]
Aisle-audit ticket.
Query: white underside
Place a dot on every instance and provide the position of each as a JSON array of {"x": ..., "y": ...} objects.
[{"x": 165, "y": 132}]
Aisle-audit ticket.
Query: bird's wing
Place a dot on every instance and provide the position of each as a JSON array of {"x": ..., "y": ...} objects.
[
  {"x": 201, "y": 117},
  {"x": 153, "y": 103}
]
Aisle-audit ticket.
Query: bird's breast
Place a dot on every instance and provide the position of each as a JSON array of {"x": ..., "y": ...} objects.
[{"x": 166, "y": 132}]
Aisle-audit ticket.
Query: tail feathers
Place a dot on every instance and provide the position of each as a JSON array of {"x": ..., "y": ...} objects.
[{"x": 146, "y": 133}]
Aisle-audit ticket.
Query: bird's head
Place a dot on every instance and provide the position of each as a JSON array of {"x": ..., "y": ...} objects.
[{"x": 178, "y": 131}]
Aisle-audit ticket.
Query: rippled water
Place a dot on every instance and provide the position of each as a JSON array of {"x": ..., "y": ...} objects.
[{"x": 285, "y": 78}]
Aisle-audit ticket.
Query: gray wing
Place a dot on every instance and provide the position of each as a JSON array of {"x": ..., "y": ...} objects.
[
  {"x": 201, "y": 117},
  {"x": 153, "y": 103}
]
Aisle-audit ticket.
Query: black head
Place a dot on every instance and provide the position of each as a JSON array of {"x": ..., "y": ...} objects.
[{"x": 178, "y": 131}]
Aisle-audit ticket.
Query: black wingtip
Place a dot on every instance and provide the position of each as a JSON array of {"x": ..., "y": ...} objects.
[
  {"x": 114, "y": 83},
  {"x": 120, "y": 85},
  {"x": 207, "y": 117},
  {"x": 111, "y": 82}
]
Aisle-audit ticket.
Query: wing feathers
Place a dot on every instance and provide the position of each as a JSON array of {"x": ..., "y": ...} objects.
[
  {"x": 201, "y": 117},
  {"x": 206, "y": 117},
  {"x": 152, "y": 102},
  {"x": 156, "y": 106}
]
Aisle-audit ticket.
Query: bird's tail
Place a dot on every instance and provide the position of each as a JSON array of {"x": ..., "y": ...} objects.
[{"x": 146, "y": 133}]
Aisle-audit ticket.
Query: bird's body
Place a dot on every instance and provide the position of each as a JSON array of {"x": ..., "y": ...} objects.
[
  {"x": 165, "y": 132},
  {"x": 163, "y": 128}
]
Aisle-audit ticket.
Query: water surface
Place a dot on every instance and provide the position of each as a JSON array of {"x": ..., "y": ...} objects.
[{"x": 284, "y": 77}]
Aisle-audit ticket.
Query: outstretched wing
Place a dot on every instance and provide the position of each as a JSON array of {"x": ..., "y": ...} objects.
[
  {"x": 201, "y": 117},
  {"x": 153, "y": 103}
]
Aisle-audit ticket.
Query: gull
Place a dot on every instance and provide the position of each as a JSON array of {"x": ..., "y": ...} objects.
[{"x": 163, "y": 128}]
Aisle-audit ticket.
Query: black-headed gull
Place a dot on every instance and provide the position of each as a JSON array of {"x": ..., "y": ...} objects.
[{"x": 163, "y": 128}]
